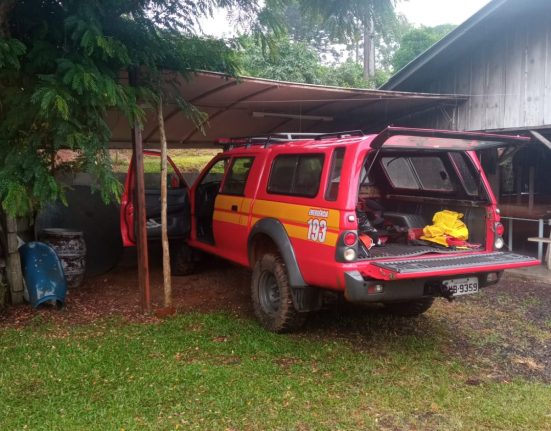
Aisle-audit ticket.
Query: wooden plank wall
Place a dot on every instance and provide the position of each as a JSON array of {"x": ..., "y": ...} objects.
[{"x": 507, "y": 75}]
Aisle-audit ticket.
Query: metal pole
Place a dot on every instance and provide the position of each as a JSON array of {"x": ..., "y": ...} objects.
[
  {"x": 139, "y": 215},
  {"x": 510, "y": 233},
  {"x": 540, "y": 234},
  {"x": 531, "y": 180}
]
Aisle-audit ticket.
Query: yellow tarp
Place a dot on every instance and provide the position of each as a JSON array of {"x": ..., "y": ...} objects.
[{"x": 445, "y": 224}]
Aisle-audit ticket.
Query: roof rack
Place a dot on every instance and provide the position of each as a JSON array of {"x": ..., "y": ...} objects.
[
  {"x": 346, "y": 134},
  {"x": 264, "y": 140}
]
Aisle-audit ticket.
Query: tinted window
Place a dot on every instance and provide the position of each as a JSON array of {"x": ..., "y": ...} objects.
[
  {"x": 400, "y": 173},
  {"x": 332, "y": 191},
  {"x": 297, "y": 175},
  {"x": 469, "y": 181},
  {"x": 432, "y": 173},
  {"x": 418, "y": 173},
  {"x": 237, "y": 176}
]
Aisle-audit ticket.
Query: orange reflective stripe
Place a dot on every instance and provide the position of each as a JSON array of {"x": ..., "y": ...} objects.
[
  {"x": 296, "y": 213},
  {"x": 297, "y": 219}
]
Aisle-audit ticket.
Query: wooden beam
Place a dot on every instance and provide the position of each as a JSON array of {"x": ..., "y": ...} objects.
[{"x": 541, "y": 138}]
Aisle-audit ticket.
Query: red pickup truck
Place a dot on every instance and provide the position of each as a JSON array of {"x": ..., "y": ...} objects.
[{"x": 342, "y": 213}]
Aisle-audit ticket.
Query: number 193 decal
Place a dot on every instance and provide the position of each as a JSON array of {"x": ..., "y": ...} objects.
[{"x": 317, "y": 230}]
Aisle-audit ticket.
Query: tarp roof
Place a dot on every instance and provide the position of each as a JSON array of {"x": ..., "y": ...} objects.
[{"x": 253, "y": 106}]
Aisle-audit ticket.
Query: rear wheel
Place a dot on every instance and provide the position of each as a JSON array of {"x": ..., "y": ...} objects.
[
  {"x": 272, "y": 297},
  {"x": 409, "y": 308}
]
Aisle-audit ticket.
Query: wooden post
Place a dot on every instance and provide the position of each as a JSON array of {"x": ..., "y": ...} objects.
[
  {"x": 531, "y": 191},
  {"x": 14, "y": 274},
  {"x": 139, "y": 215},
  {"x": 519, "y": 185},
  {"x": 167, "y": 284}
]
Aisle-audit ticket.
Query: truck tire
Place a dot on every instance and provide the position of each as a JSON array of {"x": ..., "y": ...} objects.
[
  {"x": 409, "y": 308},
  {"x": 272, "y": 297},
  {"x": 181, "y": 259}
]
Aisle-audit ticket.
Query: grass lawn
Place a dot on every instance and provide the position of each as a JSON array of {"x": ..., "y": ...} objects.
[{"x": 222, "y": 372}]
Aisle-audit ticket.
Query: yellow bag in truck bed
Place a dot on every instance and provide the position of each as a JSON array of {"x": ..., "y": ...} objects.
[{"x": 445, "y": 224}]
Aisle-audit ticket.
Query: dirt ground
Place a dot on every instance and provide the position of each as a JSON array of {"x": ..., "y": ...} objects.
[
  {"x": 216, "y": 286},
  {"x": 508, "y": 325}
]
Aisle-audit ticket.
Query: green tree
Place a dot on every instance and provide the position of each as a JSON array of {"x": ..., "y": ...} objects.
[
  {"x": 416, "y": 41},
  {"x": 63, "y": 67},
  {"x": 358, "y": 23},
  {"x": 297, "y": 62},
  {"x": 60, "y": 72},
  {"x": 286, "y": 61}
]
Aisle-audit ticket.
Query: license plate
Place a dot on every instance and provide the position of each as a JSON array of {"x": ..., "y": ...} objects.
[{"x": 462, "y": 286}]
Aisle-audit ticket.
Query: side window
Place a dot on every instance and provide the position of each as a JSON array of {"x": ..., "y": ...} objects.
[
  {"x": 215, "y": 173},
  {"x": 332, "y": 190},
  {"x": 296, "y": 175},
  {"x": 466, "y": 175},
  {"x": 237, "y": 176},
  {"x": 152, "y": 173}
]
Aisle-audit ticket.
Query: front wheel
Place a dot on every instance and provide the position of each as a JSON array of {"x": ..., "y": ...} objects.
[
  {"x": 410, "y": 308},
  {"x": 272, "y": 297}
]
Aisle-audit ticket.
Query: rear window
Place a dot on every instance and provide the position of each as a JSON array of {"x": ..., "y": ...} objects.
[
  {"x": 296, "y": 175},
  {"x": 418, "y": 173}
]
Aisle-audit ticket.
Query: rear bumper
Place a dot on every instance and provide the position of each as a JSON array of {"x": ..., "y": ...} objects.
[
  {"x": 443, "y": 266},
  {"x": 360, "y": 289}
]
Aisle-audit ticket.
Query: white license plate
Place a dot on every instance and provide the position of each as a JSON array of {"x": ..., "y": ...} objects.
[{"x": 462, "y": 286}]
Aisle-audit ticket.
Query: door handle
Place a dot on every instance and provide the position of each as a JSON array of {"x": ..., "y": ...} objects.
[{"x": 234, "y": 208}]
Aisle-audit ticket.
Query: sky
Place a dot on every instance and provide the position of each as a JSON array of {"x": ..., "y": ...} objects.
[
  {"x": 418, "y": 12},
  {"x": 435, "y": 12}
]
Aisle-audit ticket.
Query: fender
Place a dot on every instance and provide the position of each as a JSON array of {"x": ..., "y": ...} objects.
[{"x": 275, "y": 230}]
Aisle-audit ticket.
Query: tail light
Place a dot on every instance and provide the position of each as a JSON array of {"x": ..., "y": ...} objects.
[
  {"x": 499, "y": 230},
  {"x": 347, "y": 246},
  {"x": 350, "y": 238}
]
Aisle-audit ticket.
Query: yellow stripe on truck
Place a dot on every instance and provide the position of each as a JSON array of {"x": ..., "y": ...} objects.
[
  {"x": 295, "y": 218},
  {"x": 223, "y": 209},
  {"x": 300, "y": 232},
  {"x": 295, "y": 213}
]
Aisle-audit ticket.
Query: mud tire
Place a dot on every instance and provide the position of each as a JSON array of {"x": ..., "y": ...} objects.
[{"x": 272, "y": 297}]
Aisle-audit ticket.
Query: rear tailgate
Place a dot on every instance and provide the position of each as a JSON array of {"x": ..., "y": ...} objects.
[{"x": 396, "y": 269}]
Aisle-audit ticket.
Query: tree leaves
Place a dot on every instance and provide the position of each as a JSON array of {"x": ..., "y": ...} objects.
[
  {"x": 63, "y": 69},
  {"x": 10, "y": 51}
]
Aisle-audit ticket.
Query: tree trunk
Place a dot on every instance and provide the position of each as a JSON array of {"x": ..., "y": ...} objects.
[
  {"x": 369, "y": 50},
  {"x": 164, "y": 235},
  {"x": 5, "y": 8},
  {"x": 14, "y": 274}
]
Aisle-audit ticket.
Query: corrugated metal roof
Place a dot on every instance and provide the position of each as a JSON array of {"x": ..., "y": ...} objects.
[{"x": 253, "y": 106}]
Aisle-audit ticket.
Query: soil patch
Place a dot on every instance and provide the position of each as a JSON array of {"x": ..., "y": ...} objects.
[{"x": 217, "y": 286}]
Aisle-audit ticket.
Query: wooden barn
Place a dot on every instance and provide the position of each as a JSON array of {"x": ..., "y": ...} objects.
[{"x": 500, "y": 60}]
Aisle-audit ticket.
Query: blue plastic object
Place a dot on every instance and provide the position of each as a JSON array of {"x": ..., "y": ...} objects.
[{"x": 43, "y": 274}]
